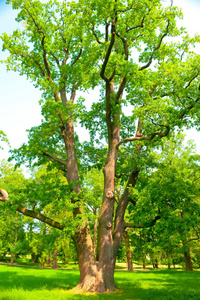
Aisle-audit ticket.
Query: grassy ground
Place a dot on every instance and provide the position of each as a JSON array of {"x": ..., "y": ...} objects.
[{"x": 37, "y": 284}]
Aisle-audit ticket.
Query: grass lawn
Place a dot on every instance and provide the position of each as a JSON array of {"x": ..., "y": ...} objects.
[{"x": 38, "y": 284}]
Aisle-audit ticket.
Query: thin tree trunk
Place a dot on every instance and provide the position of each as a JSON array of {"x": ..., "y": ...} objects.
[
  {"x": 188, "y": 262},
  {"x": 55, "y": 264},
  {"x": 156, "y": 263},
  {"x": 168, "y": 260},
  {"x": 129, "y": 262},
  {"x": 48, "y": 260},
  {"x": 12, "y": 259},
  {"x": 143, "y": 261},
  {"x": 186, "y": 251},
  {"x": 32, "y": 258},
  {"x": 16, "y": 236}
]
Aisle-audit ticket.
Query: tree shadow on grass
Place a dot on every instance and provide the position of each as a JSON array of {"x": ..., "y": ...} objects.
[
  {"x": 27, "y": 279},
  {"x": 159, "y": 285}
]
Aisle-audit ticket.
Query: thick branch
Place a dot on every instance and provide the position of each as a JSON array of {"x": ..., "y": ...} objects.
[
  {"x": 32, "y": 213},
  {"x": 54, "y": 158},
  {"x": 121, "y": 88},
  {"x": 4, "y": 195},
  {"x": 73, "y": 93},
  {"x": 106, "y": 31},
  {"x": 121, "y": 208},
  {"x": 125, "y": 45},
  {"x": 40, "y": 217}
]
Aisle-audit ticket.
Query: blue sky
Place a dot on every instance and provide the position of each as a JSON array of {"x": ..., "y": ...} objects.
[{"x": 19, "y": 108}]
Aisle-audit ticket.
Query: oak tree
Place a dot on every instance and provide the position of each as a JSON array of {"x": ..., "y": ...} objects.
[{"x": 148, "y": 85}]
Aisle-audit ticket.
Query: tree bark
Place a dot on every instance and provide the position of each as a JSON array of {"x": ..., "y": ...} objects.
[
  {"x": 168, "y": 259},
  {"x": 188, "y": 262},
  {"x": 55, "y": 265},
  {"x": 143, "y": 261},
  {"x": 129, "y": 262},
  {"x": 32, "y": 258},
  {"x": 156, "y": 263},
  {"x": 48, "y": 260},
  {"x": 93, "y": 275},
  {"x": 95, "y": 235},
  {"x": 187, "y": 257},
  {"x": 12, "y": 259}
]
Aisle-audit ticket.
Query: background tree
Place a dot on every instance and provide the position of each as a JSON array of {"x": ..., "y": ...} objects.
[
  {"x": 173, "y": 190},
  {"x": 122, "y": 48}
]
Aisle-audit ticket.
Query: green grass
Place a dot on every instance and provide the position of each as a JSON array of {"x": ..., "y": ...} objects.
[{"x": 38, "y": 284}]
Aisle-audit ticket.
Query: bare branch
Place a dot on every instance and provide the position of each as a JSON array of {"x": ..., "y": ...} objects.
[
  {"x": 146, "y": 138},
  {"x": 147, "y": 225},
  {"x": 194, "y": 239},
  {"x": 189, "y": 83},
  {"x": 138, "y": 26},
  {"x": 183, "y": 114},
  {"x": 156, "y": 48},
  {"x": 112, "y": 41},
  {"x": 78, "y": 56},
  {"x": 95, "y": 35},
  {"x": 56, "y": 59}
]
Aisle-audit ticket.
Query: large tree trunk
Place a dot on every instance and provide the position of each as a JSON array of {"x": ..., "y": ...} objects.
[{"x": 94, "y": 276}]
